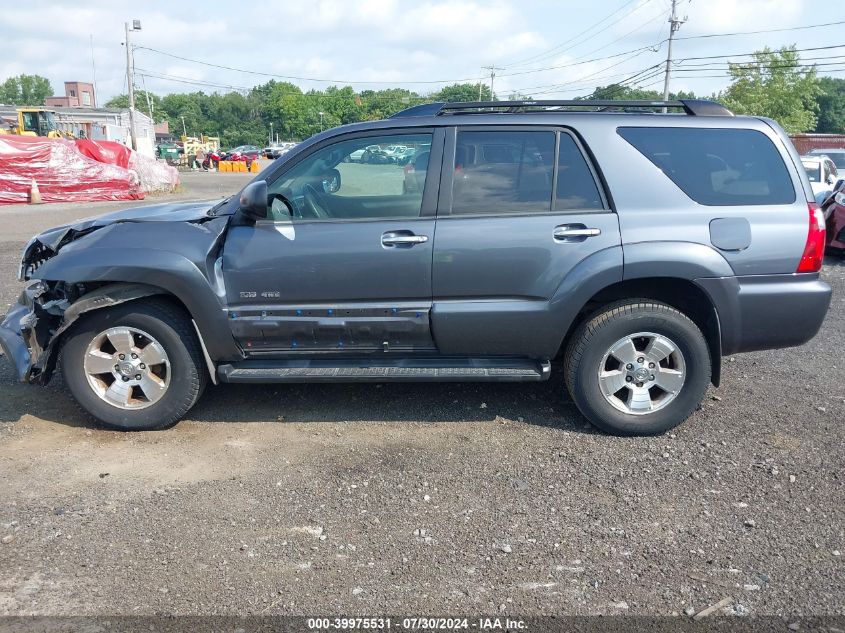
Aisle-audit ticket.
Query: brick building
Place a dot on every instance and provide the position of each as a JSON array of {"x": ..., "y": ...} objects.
[{"x": 78, "y": 94}]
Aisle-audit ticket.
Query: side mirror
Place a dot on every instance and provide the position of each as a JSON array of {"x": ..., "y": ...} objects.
[
  {"x": 253, "y": 202},
  {"x": 331, "y": 181}
]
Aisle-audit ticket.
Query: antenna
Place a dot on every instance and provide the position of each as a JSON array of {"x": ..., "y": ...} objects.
[{"x": 93, "y": 72}]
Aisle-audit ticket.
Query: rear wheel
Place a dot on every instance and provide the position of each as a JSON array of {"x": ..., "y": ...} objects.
[
  {"x": 137, "y": 366},
  {"x": 637, "y": 368}
]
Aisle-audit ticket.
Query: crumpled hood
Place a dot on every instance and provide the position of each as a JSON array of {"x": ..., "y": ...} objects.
[{"x": 165, "y": 212}]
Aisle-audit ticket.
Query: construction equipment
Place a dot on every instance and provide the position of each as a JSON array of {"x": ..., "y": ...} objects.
[{"x": 34, "y": 122}]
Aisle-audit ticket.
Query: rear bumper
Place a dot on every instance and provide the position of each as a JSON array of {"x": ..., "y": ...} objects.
[
  {"x": 767, "y": 311},
  {"x": 17, "y": 320}
]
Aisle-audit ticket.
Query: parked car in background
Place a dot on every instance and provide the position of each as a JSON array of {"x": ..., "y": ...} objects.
[
  {"x": 833, "y": 208},
  {"x": 274, "y": 150},
  {"x": 242, "y": 153},
  {"x": 271, "y": 151},
  {"x": 392, "y": 152},
  {"x": 822, "y": 173},
  {"x": 837, "y": 155},
  {"x": 363, "y": 154},
  {"x": 634, "y": 249},
  {"x": 404, "y": 156}
]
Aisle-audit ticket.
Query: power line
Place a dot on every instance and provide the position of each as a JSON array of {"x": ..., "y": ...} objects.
[
  {"x": 577, "y": 62},
  {"x": 298, "y": 78},
  {"x": 791, "y": 28},
  {"x": 561, "y": 48},
  {"x": 678, "y": 62}
]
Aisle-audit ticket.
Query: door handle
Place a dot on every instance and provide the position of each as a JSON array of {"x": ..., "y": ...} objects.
[
  {"x": 402, "y": 238},
  {"x": 574, "y": 233}
]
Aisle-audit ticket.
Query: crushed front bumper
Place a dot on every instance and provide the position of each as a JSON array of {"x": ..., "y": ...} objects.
[
  {"x": 27, "y": 333},
  {"x": 19, "y": 318}
]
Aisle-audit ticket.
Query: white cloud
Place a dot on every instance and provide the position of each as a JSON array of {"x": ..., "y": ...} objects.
[{"x": 374, "y": 41}]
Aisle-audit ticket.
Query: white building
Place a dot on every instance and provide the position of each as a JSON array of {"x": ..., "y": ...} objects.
[{"x": 106, "y": 124}]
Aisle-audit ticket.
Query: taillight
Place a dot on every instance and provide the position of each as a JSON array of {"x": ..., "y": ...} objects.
[{"x": 811, "y": 260}]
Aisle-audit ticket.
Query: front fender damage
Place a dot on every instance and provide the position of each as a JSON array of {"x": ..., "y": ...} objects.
[{"x": 32, "y": 329}]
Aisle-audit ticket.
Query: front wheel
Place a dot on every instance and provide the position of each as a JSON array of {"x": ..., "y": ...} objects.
[
  {"x": 135, "y": 367},
  {"x": 637, "y": 368}
]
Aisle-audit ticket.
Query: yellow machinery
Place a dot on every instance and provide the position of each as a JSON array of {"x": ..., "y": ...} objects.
[
  {"x": 192, "y": 144},
  {"x": 205, "y": 143},
  {"x": 34, "y": 122}
]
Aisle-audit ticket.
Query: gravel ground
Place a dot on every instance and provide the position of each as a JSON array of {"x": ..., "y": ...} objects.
[{"x": 426, "y": 499}]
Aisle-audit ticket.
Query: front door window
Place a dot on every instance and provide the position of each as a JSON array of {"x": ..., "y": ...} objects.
[{"x": 359, "y": 179}]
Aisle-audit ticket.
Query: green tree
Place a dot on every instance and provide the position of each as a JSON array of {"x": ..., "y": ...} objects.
[
  {"x": 380, "y": 104},
  {"x": 775, "y": 85},
  {"x": 27, "y": 90},
  {"x": 627, "y": 93},
  {"x": 831, "y": 106},
  {"x": 462, "y": 93},
  {"x": 141, "y": 103}
]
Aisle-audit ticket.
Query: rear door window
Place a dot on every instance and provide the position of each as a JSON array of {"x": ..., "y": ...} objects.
[
  {"x": 503, "y": 172},
  {"x": 576, "y": 186},
  {"x": 719, "y": 167}
]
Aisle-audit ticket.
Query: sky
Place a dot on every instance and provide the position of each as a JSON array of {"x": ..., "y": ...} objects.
[{"x": 553, "y": 49}]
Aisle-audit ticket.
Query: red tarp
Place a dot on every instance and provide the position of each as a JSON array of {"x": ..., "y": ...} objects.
[
  {"x": 62, "y": 172},
  {"x": 110, "y": 152},
  {"x": 155, "y": 175}
]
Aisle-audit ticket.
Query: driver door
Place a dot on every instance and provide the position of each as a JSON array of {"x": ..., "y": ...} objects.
[{"x": 343, "y": 263}]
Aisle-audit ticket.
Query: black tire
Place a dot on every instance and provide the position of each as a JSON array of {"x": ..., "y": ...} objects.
[
  {"x": 168, "y": 325},
  {"x": 595, "y": 337}
]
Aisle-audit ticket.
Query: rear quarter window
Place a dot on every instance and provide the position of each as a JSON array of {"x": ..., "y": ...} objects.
[{"x": 717, "y": 167}]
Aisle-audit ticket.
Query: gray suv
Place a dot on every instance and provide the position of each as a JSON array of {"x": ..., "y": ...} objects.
[{"x": 636, "y": 242}]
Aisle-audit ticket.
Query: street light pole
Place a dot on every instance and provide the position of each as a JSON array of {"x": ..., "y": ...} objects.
[
  {"x": 271, "y": 134},
  {"x": 321, "y": 121}
]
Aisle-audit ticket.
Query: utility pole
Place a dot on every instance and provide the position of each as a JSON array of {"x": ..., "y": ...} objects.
[
  {"x": 149, "y": 102},
  {"x": 675, "y": 24},
  {"x": 130, "y": 79},
  {"x": 492, "y": 70}
]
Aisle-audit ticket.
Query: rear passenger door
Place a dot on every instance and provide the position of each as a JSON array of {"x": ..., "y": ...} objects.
[{"x": 520, "y": 207}]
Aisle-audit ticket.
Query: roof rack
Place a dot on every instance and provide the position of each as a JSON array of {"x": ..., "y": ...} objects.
[{"x": 693, "y": 107}]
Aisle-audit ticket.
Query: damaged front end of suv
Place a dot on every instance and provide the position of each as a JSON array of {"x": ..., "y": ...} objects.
[
  {"x": 102, "y": 262},
  {"x": 34, "y": 325}
]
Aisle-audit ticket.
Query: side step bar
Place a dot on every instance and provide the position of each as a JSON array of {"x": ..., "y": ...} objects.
[{"x": 386, "y": 370}]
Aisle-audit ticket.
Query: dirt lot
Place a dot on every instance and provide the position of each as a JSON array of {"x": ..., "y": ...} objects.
[{"x": 425, "y": 499}]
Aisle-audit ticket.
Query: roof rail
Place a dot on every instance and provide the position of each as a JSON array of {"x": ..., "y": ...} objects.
[
  {"x": 694, "y": 107},
  {"x": 426, "y": 109}
]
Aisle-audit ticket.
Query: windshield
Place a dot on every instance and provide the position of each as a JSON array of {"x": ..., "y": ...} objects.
[
  {"x": 838, "y": 157},
  {"x": 50, "y": 121}
]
